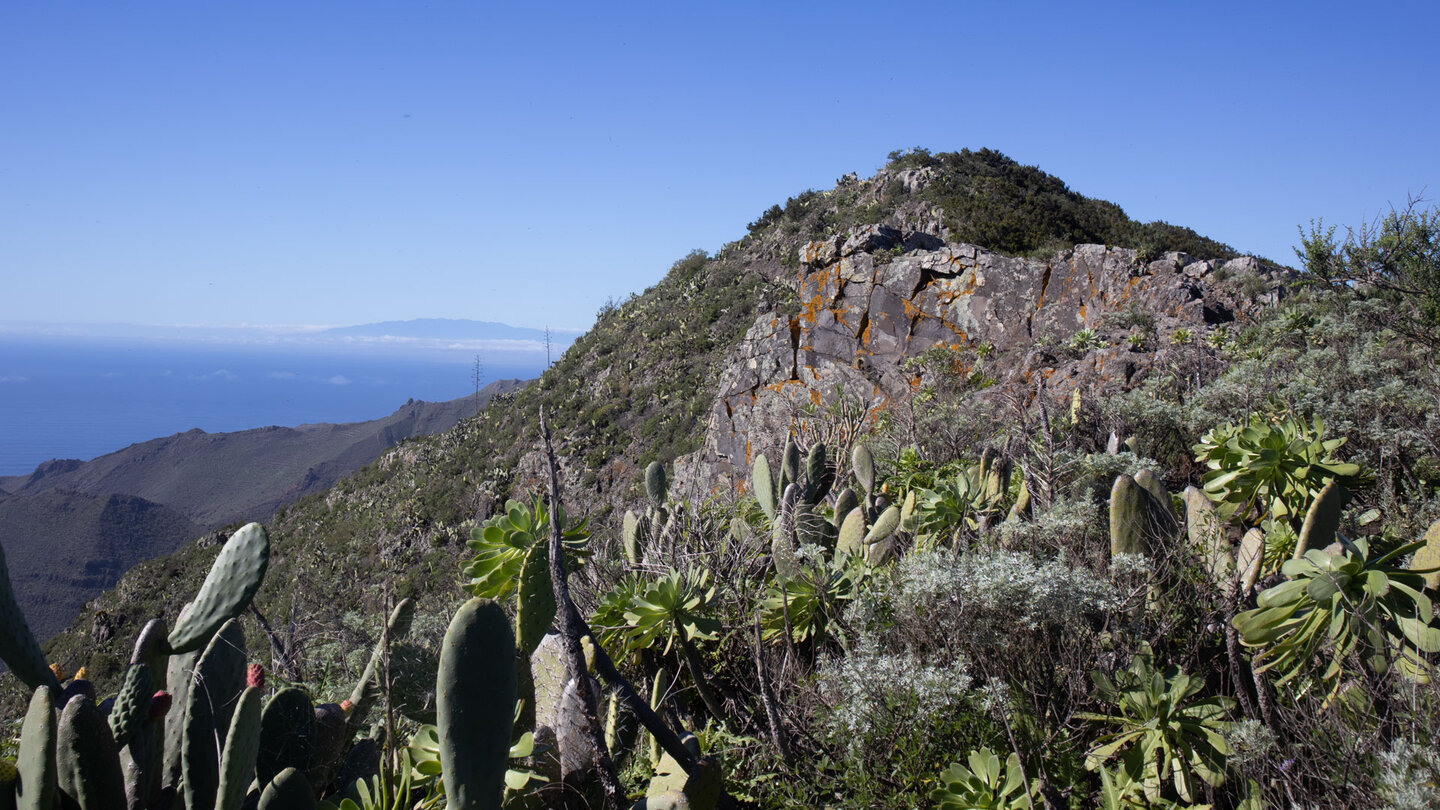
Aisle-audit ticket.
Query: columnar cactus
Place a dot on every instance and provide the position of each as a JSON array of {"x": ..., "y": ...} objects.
[
  {"x": 1139, "y": 520},
  {"x": 639, "y": 531},
  {"x": 475, "y": 702}
]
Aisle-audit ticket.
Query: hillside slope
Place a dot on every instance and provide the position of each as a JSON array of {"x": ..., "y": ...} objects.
[
  {"x": 149, "y": 498},
  {"x": 62, "y": 548},
  {"x": 220, "y": 478},
  {"x": 699, "y": 347}
]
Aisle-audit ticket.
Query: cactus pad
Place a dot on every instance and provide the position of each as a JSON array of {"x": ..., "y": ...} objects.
[{"x": 227, "y": 590}]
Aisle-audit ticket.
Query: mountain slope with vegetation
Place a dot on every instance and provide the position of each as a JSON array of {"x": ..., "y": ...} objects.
[
  {"x": 151, "y": 497},
  {"x": 1124, "y": 523}
]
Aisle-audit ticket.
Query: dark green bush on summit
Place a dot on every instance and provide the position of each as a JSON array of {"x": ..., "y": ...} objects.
[{"x": 993, "y": 201}]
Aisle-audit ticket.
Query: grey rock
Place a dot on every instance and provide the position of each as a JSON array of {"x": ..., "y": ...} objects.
[
  {"x": 859, "y": 321},
  {"x": 870, "y": 239}
]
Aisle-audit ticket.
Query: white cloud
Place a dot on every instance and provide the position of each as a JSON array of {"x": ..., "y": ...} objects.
[
  {"x": 339, "y": 379},
  {"x": 14, "y": 378}
]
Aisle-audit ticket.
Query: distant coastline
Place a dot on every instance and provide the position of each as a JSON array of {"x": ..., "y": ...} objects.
[{"x": 72, "y": 397}]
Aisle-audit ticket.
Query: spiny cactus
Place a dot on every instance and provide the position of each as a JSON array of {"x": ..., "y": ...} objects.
[
  {"x": 1139, "y": 520},
  {"x": 242, "y": 747},
  {"x": 132, "y": 703},
  {"x": 17, "y": 644},
  {"x": 217, "y": 682},
  {"x": 287, "y": 735},
  {"x": 475, "y": 700},
  {"x": 657, "y": 485},
  {"x": 1322, "y": 519},
  {"x": 38, "y": 788},
  {"x": 227, "y": 590},
  {"x": 87, "y": 759}
]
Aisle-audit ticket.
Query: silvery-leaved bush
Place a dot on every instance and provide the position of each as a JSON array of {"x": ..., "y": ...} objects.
[
  {"x": 982, "y": 599},
  {"x": 871, "y": 695},
  {"x": 1409, "y": 776}
]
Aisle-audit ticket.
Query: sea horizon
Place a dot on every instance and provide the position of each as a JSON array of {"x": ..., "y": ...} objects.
[{"x": 83, "y": 398}]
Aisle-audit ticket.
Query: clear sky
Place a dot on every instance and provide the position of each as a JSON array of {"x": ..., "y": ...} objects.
[{"x": 349, "y": 162}]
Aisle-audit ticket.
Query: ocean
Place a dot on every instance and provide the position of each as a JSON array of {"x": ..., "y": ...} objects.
[{"x": 71, "y": 399}]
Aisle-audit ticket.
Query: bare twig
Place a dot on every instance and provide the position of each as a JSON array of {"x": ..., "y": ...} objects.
[{"x": 570, "y": 633}]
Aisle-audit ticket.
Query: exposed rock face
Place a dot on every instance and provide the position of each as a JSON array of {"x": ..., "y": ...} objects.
[{"x": 874, "y": 296}]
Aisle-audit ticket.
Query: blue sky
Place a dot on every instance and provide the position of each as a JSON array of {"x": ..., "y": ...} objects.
[{"x": 350, "y": 162}]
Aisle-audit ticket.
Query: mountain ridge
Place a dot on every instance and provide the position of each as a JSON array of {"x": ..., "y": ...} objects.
[
  {"x": 643, "y": 384},
  {"x": 149, "y": 498}
]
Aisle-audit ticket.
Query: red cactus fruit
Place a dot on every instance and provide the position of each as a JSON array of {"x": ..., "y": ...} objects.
[
  {"x": 160, "y": 704},
  {"x": 255, "y": 676}
]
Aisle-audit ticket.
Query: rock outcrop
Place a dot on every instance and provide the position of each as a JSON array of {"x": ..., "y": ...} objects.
[{"x": 874, "y": 296}]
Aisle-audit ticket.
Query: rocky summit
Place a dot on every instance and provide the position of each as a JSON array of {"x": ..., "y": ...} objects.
[{"x": 875, "y": 296}]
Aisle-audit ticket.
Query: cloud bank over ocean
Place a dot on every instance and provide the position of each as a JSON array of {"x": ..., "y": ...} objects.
[{"x": 442, "y": 340}]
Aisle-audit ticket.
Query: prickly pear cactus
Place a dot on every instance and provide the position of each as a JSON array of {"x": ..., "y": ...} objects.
[
  {"x": 862, "y": 463},
  {"x": 1206, "y": 533},
  {"x": 535, "y": 609},
  {"x": 630, "y": 538},
  {"x": 1429, "y": 556},
  {"x": 218, "y": 682},
  {"x": 701, "y": 789},
  {"x": 851, "y": 538},
  {"x": 329, "y": 745},
  {"x": 227, "y": 590},
  {"x": 180, "y": 671},
  {"x": 1250, "y": 559},
  {"x": 817, "y": 474},
  {"x": 1139, "y": 520},
  {"x": 132, "y": 703},
  {"x": 782, "y": 537},
  {"x": 38, "y": 786},
  {"x": 18, "y": 647},
  {"x": 764, "y": 485},
  {"x": 242, "y": 746},
  {"x": 475, "y": 705},
  {"x": 287, "y": 735},
  {"x": 290, "y": 790},
  {"x": 87, "y": 759},
  {"x": 1322, "y": 519}
]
